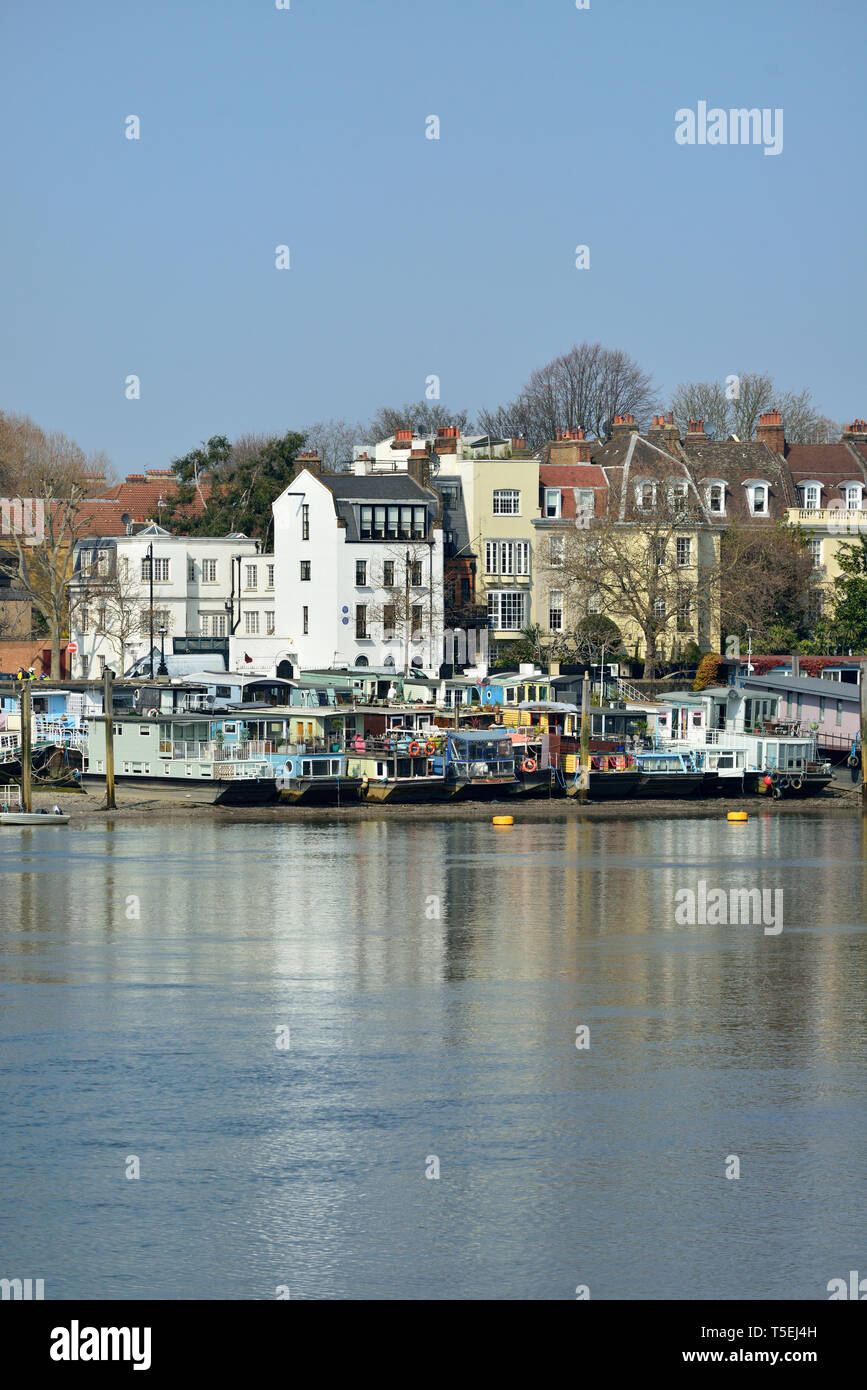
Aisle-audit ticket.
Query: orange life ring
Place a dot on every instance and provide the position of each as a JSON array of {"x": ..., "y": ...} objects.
[
  {"x": 414, "y": 748},
  {"x": 430, "y": 746},
  {"x": 528, "y": 765}
]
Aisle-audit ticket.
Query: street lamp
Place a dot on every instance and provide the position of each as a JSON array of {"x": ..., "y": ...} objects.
[
  {"x": 150, "y": 554},
  {"x": 163, "y": 669}
]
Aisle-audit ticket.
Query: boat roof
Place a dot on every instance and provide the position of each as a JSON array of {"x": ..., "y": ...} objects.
[{"x": 810, "y": 685}]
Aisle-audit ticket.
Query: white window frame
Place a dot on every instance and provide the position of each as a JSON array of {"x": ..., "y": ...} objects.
[
  {"x": 251, "y": 622},
  {"x": 209, "y": 571},
  {"x": 753, "y": 487},
  {"x": 553, "y": 502},
  {"x": 640, "y": 487},
  {"x": 506, "y": 501},
  {"x": 555, "y": 610},
  {"x": 500, "y": 599}
]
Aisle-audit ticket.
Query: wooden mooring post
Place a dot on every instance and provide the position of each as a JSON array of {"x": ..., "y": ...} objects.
[
  {"x": 584, "y": 787},
  {"x": 863, "y": 736},
  {"x": 26, "y": 748},
  {"x": 108, "y": 715}
]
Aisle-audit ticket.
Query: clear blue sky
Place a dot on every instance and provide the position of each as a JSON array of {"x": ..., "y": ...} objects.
[{"x": 411, "y": 256}]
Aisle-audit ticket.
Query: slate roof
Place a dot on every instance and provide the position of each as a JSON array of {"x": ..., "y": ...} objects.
[
  {"x": 829, "y": 464},
  {"x": 375, "y": 487},
  {"x": 349, "y": 489},
  {"x": 735, "y": 462}
]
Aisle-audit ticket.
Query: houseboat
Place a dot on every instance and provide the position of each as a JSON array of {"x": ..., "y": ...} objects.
[
  {"x": 400, "y": 765},
  {"x": 200, "y": 758},
  {"x": 480, "y": 763},
  {"x": 667, "y": 774}
]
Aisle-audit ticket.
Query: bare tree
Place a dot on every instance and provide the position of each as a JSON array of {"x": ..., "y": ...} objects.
[
  {"x": 736, "y": 405},
  {"x": 404, "y": 608},
  {"x": 657, "y": 572},
  {"x": 583, "y": 388},
  {"x": 51, "y": 476},
  {"x": 333, "y": 440},
  {"x": 769, "y": 579},
  {"x": 703, "y": 400},
  {"x": 104, "y": 596},
  {"x": 422, "y": 417}
]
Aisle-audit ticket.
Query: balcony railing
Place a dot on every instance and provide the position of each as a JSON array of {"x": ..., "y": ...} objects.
[{"x": 838, "y": 518}]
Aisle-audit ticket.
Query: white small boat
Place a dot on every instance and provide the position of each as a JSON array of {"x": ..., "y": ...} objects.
[{"x": 12, "y": 814}]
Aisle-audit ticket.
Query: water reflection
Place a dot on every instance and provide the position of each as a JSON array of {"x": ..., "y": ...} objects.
[{"x": 432, "y": 974}]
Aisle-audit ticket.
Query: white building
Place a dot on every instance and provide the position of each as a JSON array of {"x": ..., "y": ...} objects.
[
  {"x": 359, "y": 569},
  {"x": 203, "y": 587}
]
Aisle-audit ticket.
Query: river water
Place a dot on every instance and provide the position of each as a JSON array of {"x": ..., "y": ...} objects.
[{"x": 434, "y": 977}]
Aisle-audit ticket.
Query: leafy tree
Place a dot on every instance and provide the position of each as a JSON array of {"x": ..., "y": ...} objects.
[
  {"x": 236, "y": 484},
  {"x": 850, "y": 596},
  {"x": 708, "y": 672}
]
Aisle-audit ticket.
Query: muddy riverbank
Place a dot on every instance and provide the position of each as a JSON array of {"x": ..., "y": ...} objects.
[{"x": 151, "y": 804}]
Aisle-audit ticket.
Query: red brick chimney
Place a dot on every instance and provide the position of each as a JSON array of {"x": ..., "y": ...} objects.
[
  {"x": 771, "y": 432},
  {"x": 695, "y": 433},
  {"x": 624, "y": 424},
  {"x": 447, "y": 439},
  {"x": 857, "y": 432},
  {"x": 569, "y": 447},
  {"x": 402, "y": 439}
]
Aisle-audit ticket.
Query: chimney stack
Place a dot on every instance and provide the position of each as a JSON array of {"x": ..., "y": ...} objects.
[
  {"x": 418, "y": 465},
  {"x": 447, "y": 439},
  {"x": 771, "y": 432},
  {"x": 624, "y": 424},
  {"x": 569, "y": 447},
  {"x": 857, "y": 432},
  {"x": 695, "y": 433},
  {"x": 402, "y": 439},
  {"x": 309, "y": 460}
]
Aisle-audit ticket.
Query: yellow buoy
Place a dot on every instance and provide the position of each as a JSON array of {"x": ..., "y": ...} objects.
[
  {"x": 737, "y": 815},
  {"x": 504, "y": 820}
]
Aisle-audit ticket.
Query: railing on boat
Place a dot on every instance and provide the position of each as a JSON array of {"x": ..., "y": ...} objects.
[{"x": 10, "y": 797}]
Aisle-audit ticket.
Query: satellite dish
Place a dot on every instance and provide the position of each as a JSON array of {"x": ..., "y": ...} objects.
[{"x": 125, "y": 519}]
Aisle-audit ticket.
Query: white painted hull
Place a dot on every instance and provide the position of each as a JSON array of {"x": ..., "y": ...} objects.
[{"x": 31, "y": 818}]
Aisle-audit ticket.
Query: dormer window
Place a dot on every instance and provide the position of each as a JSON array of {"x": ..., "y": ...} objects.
[
  {"x": 552, "y": 501},
  {"x": 677, "y": 493},
  {"x": 811, "y": 496},
  {"x": 716, "y": 497},
  {"x": 645, "y": 495},
  {"x": 853, "y": 494},
  {"x": 757, "y": 496}
]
